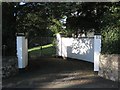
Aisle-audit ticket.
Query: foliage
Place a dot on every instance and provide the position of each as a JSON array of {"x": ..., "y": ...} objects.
[
  {"x": 37, "y": 17},
  {"x": 44, "y": 19},
  {"x": 86, "y": 17},
  {"x": 42, "y": 16},
  {"x": 8, "y": 29},
  {"x": 111, "y": 30},
  {"x": 111, "y": 40},
  {"x": 56, "y": 26},
  {"x": 32, "y": 21}
]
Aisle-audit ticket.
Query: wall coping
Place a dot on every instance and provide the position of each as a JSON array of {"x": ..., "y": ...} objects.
[
  {"x": 109, "y": 54},
  {"x": 78, "y": 37}
]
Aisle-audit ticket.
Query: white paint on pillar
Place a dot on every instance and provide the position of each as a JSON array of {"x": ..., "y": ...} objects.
[
  {"x": 59, "y": 45},
  {"x": 22, "y": 51},
  {"x": 97, "y": 50}
]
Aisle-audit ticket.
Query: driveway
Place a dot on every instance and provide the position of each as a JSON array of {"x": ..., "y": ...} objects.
[{"x": 58, "y": 73}]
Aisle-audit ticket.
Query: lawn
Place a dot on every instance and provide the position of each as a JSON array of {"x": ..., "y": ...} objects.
[{"x": 46, "y": 50}]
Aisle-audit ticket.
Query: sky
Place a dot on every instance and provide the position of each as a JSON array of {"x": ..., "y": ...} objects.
[{"x": 22, "y": 3}]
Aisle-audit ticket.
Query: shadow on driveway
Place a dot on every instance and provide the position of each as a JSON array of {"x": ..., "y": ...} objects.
[{"x": 58, "y": 73}]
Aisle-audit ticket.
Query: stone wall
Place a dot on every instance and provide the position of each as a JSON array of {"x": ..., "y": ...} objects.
[
  {"x": 9, "y": 67},
  {"x": 108, "y": 67}
]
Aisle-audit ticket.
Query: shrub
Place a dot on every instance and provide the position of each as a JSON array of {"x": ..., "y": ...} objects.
[
  {"x": 111, "y": 30},
  {"x": 111, "y": 40}
]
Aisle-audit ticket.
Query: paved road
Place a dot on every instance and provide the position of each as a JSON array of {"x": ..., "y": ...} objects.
[{"x": 58, "y": 73}]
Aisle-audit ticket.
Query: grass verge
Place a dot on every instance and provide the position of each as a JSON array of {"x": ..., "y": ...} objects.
[{"x": 46, "y": 50}]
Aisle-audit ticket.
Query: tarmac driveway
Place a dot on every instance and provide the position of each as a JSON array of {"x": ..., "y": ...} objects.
[{"x": 58, "y": 73}]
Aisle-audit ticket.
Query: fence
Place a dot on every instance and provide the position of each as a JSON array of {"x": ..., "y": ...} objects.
[{"x": 83, "y": 48}]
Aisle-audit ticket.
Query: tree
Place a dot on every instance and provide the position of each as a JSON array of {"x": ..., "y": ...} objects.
[
  {"x": 41, "y": 16},
  {"x": 8, "y": 29},
  {"x": 44, "y": 18},
  {"x": 88, "y": 17},
  {"x": 111, "y": 30}
]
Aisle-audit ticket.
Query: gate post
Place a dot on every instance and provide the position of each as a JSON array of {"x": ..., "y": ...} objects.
[
  {"x": 22, "y": 50},
  {"x": 59, "y": 45},
  {"x": 97, "y": 50}
]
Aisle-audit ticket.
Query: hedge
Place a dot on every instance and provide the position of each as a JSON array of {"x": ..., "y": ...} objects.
[{"x": 111, "y": 40}]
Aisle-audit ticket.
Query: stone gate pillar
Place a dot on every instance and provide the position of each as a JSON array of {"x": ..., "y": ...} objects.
[
  {"x": 22, "y": 50},
  {"x": 59, "y": 45},
  {"x": 97, "y": 50}
]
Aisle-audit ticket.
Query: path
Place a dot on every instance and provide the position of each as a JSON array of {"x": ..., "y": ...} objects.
[{"x": 58, "y": 73}]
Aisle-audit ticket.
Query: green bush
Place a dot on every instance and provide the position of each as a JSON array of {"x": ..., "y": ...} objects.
[
  {"x": 111, "y": 30},
  {"x": 111, "y": 40}
]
